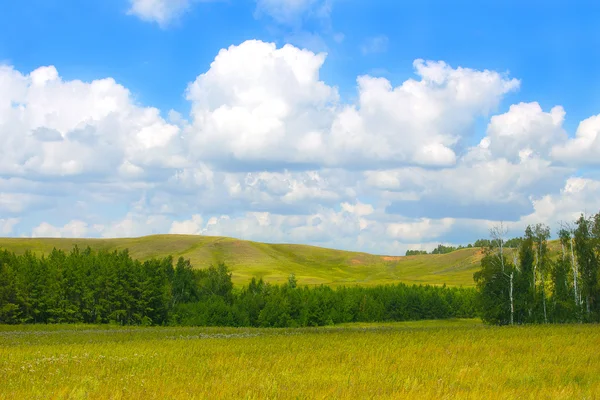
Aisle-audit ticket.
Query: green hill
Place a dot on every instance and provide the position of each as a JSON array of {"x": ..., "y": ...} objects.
[{"x": 275, "y": 262}]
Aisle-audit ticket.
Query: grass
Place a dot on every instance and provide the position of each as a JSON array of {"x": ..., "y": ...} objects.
[
  {"x": 275, "y": 262},
  {"x": 427, "y": 359}
]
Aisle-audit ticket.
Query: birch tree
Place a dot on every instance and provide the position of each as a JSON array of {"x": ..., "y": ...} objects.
[
  {"x": 588, "y": 261},
  {"x": 542, "y": 234}
]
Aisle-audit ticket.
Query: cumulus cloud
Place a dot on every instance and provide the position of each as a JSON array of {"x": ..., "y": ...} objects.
[
  {"x": 258, "y": 103},
  {"x": 584, "y": 148},
  {"x": 579, "y": 195},
  {"x": 55, "y": 128},
  {"x": 270, "y": 152},
  {"x": 526, "y": 129}
]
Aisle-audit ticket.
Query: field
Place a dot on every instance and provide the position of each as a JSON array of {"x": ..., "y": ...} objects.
[
  {"x": 275, "y": 262},
  {"x": 428, "y": 359}
]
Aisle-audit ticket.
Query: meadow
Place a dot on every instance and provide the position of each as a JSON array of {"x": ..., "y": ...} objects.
[
  {"x": 275, "y": 262},
  {"x": 425, "y": 359}
]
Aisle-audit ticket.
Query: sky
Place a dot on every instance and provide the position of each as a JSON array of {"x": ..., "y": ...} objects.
[{"x": 375, "y": 126}]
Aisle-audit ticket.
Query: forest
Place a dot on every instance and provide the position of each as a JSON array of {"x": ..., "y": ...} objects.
[
  {"x": 85, "y": 286},
  {"x": 526, "y": 285}
]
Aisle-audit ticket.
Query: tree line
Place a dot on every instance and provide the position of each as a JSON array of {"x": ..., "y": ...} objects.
[
  {"x": 484, "y": 243},
  {"x": 87, "y": 286},
  {"x": 527, "y": 285}
]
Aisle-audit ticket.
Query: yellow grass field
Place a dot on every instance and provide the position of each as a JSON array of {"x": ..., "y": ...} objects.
[{"x": 419, "y": 360}]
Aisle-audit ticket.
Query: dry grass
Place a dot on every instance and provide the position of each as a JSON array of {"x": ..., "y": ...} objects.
[{"x": 430, "y": 359}]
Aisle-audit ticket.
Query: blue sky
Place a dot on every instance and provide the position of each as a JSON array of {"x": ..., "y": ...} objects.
[{"x": 130, "y": 130}]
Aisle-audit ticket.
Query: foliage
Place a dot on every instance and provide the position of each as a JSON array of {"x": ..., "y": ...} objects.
[
  {"x": 415, "y": 252},
  {"x": 111, "y": 287},
  {"x": 542, "y": 289}
]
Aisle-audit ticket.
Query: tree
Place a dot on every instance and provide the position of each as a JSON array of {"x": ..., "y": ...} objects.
[
  {"x": 292, "y": 282},
  {"x": 542, "y": 234},
  {"x": 567, "y": 239},
  {"x": 184, "y": 288},
  {"x": 495, "y": 284},
  {"x": 588, "y": 262}
]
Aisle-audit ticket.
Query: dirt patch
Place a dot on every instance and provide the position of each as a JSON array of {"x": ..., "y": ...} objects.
[
  {"x": 388, "y": 258},
  {"x": 355, "y": 262}
]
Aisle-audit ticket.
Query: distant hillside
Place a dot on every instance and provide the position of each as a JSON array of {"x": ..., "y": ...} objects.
[{"x": 275, "y": 262}]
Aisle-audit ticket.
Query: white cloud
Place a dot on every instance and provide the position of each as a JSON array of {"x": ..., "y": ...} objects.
[
  {"x": 136, "y": 224},
  {"x": 579, "y": 195},
  {"x": 526, "y": 127},
  {"x": 584, "y": 148},
  {"x": 419, "y": 231},
  {"x": 258, "y": 103},
  {"x": 163, "y": 12},
  {"x": 189, "y": 227},
  {"x": 62, "y": 128},
  {"x": 376, "y": 44},
  {"x": 7, "y": 225},
  {"x": 271, "y": 153},
  {"x": 73, "y": 229}
]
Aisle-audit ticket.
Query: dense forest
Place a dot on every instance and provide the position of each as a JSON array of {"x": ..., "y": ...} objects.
[
  {"x": 526, "y": 285},
  {"x": 111, "y": 287}
]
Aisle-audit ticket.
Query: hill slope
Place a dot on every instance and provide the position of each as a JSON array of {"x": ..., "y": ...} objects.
[{"x": 275, "y": 262}]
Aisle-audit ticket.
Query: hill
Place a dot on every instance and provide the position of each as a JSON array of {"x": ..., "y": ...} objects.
[{"x": 275, "y": 262}]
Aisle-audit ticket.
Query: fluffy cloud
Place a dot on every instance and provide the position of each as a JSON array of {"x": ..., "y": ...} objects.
[
  {"x": 163, "y": 12},
  {"x": 497, "y": 177},
  {"x": 419, "y": 231},
  {"x": 584, "y": 148},
  {"x": 55, "y": 128},
  {"x": 526, "y": 129},
  {"x": 579, "y": 195},
  {"x": 73, "y": 229},
  {"x": 270, "y": 152},
  {"x": 258, "y": 103},
  {"x": 189, "y": 227}
]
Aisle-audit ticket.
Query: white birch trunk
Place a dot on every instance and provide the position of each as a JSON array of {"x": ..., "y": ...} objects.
[
  {"x": 512, "y": 304},
  {"x": 576, "y": 290}
]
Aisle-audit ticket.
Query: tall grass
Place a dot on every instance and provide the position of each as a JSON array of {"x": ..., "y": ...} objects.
[{"x": 439, "y": 359}]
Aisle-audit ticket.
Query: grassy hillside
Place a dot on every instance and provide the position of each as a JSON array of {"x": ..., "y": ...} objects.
[{"x": 275, "y": 262}]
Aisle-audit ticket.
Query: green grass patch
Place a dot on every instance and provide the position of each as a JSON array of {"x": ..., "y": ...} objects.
[{"x": 425, "y": 359}]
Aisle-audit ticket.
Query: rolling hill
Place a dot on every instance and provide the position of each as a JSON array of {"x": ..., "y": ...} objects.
[{"x": 275, "y": 262}]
